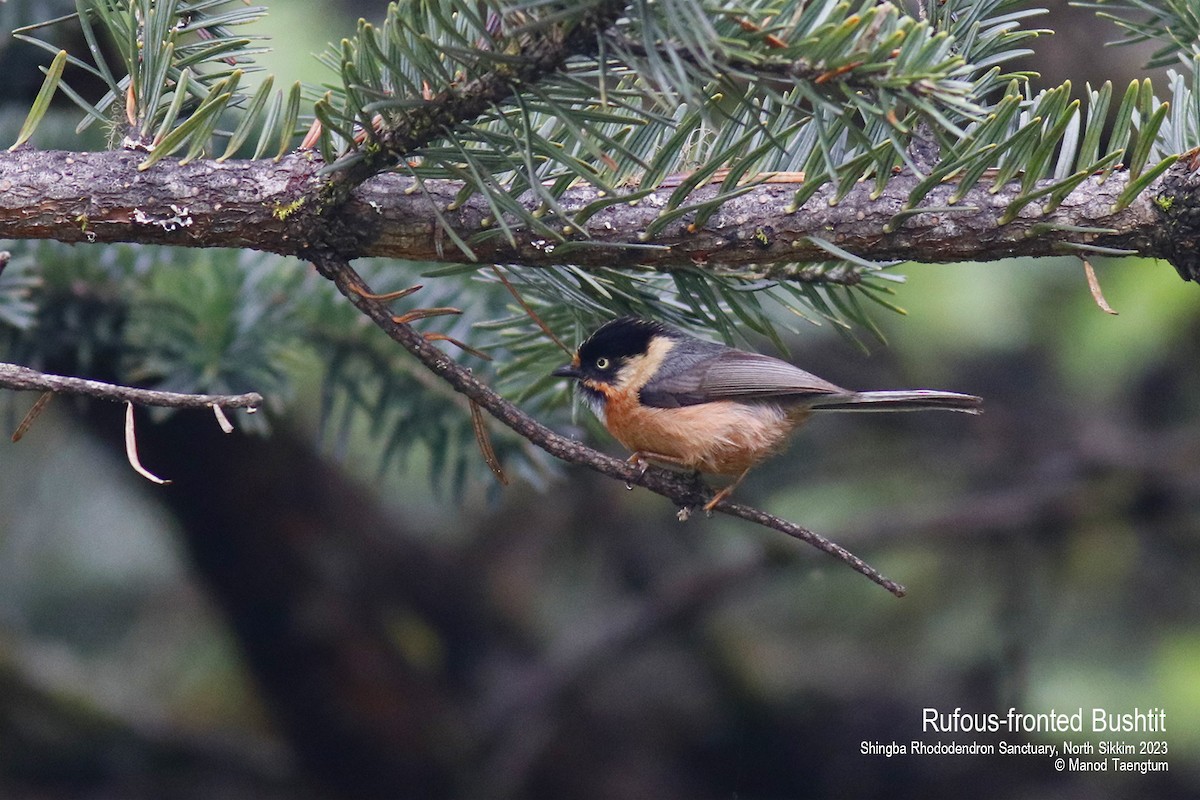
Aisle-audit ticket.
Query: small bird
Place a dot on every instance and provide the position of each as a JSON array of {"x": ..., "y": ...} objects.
[{"x": 696, "y": 405}]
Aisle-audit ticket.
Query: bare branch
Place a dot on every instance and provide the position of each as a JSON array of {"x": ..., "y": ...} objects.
[
  {"x": 684, "y": 491},
  {"x": 21, "y": 378},
  {"x": 264, "y": 205}
]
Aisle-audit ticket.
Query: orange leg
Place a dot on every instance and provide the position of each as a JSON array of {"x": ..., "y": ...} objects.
[
  {"x": 643, "y": 459},
  {"x": 724, "y": 493}
]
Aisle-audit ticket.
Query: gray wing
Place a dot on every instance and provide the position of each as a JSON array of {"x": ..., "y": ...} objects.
[{"x": 700, "y": 372}]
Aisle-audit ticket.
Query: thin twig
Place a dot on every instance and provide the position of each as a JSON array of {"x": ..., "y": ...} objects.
[
  {"x": 388, "y": 297},
  {"x": 13, "y": 376},
  {"x": 466, "y": 348},
  {"x": 682, "y": 490},
  {"x": 425, "y": 313},
  {"x": 797, "y": 69}
]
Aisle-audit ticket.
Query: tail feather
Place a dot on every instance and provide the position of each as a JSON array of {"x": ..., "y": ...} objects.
[{"x": 904, "y": 400}]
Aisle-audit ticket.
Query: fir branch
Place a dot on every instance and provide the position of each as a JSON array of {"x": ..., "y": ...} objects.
[
  {"x": 264, "y": 205},
  {"x": 684, "y": 491},
  {"x": 1174, "y": 22},
  {"x": 530, "y": 55}
]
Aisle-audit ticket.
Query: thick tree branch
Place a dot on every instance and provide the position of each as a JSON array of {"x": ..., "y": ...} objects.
[
  {"x": 264, "y": 205},
  {"x": 685, "y": 492}
]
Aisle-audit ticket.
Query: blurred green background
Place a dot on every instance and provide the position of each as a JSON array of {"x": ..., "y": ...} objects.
[{"x": 284, "y": 622}]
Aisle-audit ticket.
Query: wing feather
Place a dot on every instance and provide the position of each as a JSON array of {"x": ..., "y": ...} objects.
[{"x": 715, "y": 372}]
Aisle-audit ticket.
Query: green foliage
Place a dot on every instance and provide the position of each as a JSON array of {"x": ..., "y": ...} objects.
[
  {"x": 72, "y": 313},
  {"x": 374, "y": 392},
  {"x": 41, "y": 103},
  {"x": 17, "y": 283},
  {"x": 1175, "y": 22},
  {"x": 1180, "y": 130},
  {"x": 226, "y": 322},
  {"x": 680, "y": 98},
  {"x": 830, "y": 90},
  {"x": 180, "y": 71},
  {"x": 677, "y": 95}
]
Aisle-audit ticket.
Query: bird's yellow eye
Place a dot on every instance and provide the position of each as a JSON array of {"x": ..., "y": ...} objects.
[{"x": 602, "y": 362}]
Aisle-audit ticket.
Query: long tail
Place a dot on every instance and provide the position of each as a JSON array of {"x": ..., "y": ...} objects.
[{"x": 907, "y": 400}]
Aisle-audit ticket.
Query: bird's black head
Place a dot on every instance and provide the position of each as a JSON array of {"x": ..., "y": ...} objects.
[{"x": 610, "y": 346}]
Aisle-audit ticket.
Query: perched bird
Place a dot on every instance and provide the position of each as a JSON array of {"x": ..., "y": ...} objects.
[{"x": 684, "y": 402}]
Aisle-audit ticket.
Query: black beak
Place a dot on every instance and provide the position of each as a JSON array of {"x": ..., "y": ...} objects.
[{"x": 567, "y": 371}]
